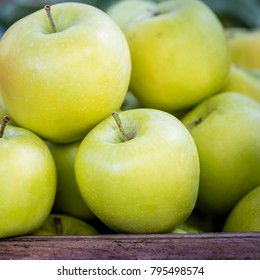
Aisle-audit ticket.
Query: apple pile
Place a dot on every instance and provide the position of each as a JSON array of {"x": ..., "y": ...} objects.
[{"x": 141, "y": 119}]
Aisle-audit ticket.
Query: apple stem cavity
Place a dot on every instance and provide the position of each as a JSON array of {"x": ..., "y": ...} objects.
[
  {"x": 50, "y": 17},
  {"x": 5, "y": 121},
  {"x": 120, "y": 126},
  {"x": 58, "y": 223}
]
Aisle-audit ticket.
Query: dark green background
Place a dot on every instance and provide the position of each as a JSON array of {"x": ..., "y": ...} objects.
[{"x": 245, "y": 13}]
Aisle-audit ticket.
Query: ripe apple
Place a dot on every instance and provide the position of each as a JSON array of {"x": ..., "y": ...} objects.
[
  {"x": 244, "y": 48},
  {"x": 179, "y": 55},
  {"x": 245, "y": 216},
  {"x": 123, "y": 11},
  {"x": 68, "y": 199},
  {"x": 243, "y": 81},
  {"x": 225, "y": 128},
  {"x": 28, "y": 181},
  {"x": 140, "y": 173},
  {"x": 59, "y": 84},
  {"x": 58, "y": 224}
]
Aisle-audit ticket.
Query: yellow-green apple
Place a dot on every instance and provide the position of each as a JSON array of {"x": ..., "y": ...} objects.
[
  {"x": 245, "y": 47},
  {"x": 179, "y": 55},
  {"x": 139, "y": 171},
  {"x": 28, "y": 181},
  {"x": 123, "y": 11},
  {"x": 225, "y": 128},
  {"x": 68, "y": 199},
  {"x": 245, "y": 216},
  {"x": 61, "y": 79},
  {"x": 243, "y": 81},
  {"x": 59, "y": 224}
]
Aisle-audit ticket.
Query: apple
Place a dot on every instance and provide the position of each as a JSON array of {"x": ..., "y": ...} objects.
[
  {"x": 61, "y": 79},
  {"x": 245, "y": 216},
  {"x": 186, "y": 228},
  {"x": 130, "y": 102},
  {"x": 58, "y": 224},
  {"x": 225, "y": 128},
  {"x": 123, "y": 11},
  {"x": 179, "y": 55},
  {"x": 138, "y": 171},
  {"x": 245, "y": 47},
  {"x": 243, "y": 81},
  {"x": 68, "y": 199},
  {"x": 28, "y": 181}
]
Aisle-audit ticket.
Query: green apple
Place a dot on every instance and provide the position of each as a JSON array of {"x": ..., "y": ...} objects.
[
  {"x": 245, "y": 216},
  {"x": 243, "y": 81},
  {"x": 225, "y": 128},
  {"x": 179, "y": 55},
  {"x": 130, "y": 102},
  {"x": 28, "y": 181},
  {"x": 185, "y": 228},
  {"x": 140, "y": 173},
  {"x": 123, "y": 11},
  {"x": 62, "y": 79},
  {"x": 244, "y": 49},
  {"x": 58, "y": 224},
  {"x": 68, "y": 199}
]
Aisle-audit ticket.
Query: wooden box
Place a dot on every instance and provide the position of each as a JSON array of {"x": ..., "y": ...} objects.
[{"x": 206, "y": 246}]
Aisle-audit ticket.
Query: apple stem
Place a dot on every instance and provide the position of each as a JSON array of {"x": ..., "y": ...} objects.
[
  {"x": 50, "y": 17},
  {"x": 5, "y": 121},
  {"x": 58, "y": 224},
  {"x": 120, "y": 126}
]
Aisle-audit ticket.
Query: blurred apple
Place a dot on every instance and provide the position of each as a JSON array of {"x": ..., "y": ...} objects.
[
  {"x": 57, "y": 224},
  {"x": 123, "y": 11},
  {"x": 28, "y": 181},
  {"x": 141, "y": 178},
  {"x": 243, "y": 81},
  {"x": 62, "y": 80},
  {"x": 245, "y": 216},
  {"x": 245, "y": 49},
  {"x": 130, "y": 102},
  {"x": 68, "y": 199},
  {"x": 179, "y": 55},
  {"x": 225, "y": 128}
]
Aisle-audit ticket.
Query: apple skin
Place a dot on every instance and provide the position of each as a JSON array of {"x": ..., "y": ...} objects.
[
  {"x": 123, "y": 11},
  {"x": 243, "y": 81},
  {"x": 179, "y": 55},
  {"x": 148, "y": 184},
  {"x": 244, "y": 48},
  {"x": 59, "y": 85},
  {"x": 69, "y": 225},
  {"x": 68, "y": 199},
  {"x": 245, "y": 216},
  {"x": 225, "y": 128},
  {"x": 28, "y": 182},
  {"x": 3, "y": 111}
]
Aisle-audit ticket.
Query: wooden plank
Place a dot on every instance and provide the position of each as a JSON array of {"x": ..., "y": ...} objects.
[{"x": 126, "y": 246}]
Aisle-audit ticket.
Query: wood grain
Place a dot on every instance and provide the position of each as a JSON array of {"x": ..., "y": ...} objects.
[{"x": 126, "y": 246}]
